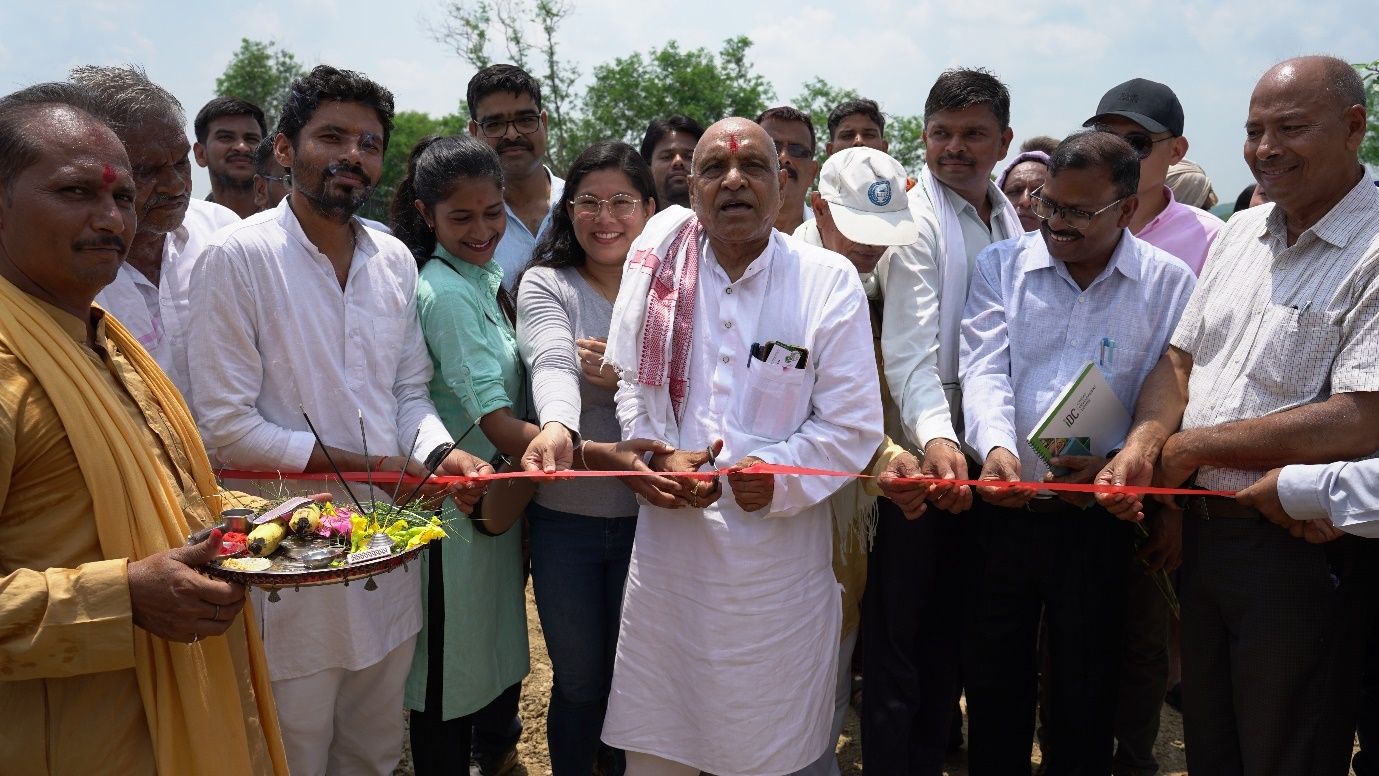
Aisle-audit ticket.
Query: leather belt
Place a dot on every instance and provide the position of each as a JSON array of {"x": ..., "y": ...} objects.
[{"x": 1219, "y": 507}]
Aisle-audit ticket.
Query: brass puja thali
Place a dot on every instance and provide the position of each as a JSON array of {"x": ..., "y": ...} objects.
[{"x": 301, "y": 542}]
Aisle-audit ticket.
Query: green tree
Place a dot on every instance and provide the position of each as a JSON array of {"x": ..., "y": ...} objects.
[
  {"x": 261, "y": 73},
  {"x": 409, "y": 126},
  {"x": 905, "y": 134},
  {"x": 630, "y": 91},
  {"x": 1369, "y": 149},
  {"x": 818, "y": 98}
]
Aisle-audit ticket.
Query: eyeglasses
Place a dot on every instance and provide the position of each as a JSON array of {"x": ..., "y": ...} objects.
[
  {"x": 1077, "y": 219},
  {"x": 499, "y": 127},
  {"x": 1142, "y": 144},
  {"x": 620, "y": 206},
  {"x": 794, "y": 150}
]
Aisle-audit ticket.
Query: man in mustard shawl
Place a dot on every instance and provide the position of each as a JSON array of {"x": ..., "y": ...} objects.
[{"x": 116, "y": 656}]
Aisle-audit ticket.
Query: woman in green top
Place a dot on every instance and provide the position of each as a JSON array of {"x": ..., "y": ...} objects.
[{"x": 472, "y": 651}]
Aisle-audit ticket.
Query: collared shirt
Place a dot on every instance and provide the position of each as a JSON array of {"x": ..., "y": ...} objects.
[
  {"x": 474, "y": 359},
  {"x": 1029, "y": 329},
  {"x": 157, "y": 315},
  {"x": 759, "y": 588},
  {"x": 1273, "y": 326},
  {"x": 275, "y": 335},
  {"x": 69, "y": 695},
  {"x": 477, "y": 370},
  {"x": 1182, "y": 230},
  {"x": 1345, "y": 492},
  {"x": 916, "y": 345},
  {"x": 515, "y": 250}
]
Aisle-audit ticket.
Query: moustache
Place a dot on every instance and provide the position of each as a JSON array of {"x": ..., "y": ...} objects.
[
  {"x": 239, "y": 157},
  {"x": 1047, "y": 230},
  {"x": 335, "y": 168},
  {"x": 519, "y": 143},
  {"x": 959, "y": 158},
  {"x": 162, "y": 200},
  {"x": 106, "y": 241},
  {"x": 791, "y": 172}
]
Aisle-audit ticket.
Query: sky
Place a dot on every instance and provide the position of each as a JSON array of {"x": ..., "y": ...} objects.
[{"x": 1057, "y": 58}]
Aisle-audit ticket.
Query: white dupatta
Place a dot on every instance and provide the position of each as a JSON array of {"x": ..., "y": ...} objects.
[
  {"x": 953, "y": 275},
  {"x": 652, "y": 326}
]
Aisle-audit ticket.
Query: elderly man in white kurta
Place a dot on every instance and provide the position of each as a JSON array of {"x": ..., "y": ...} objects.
[{"x": 735, "y": 340}]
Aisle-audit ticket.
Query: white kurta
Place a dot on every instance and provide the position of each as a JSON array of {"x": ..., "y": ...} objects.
[
  {"x": 730, "y": 620},
  {"x": 158, "y": 314},
  {"x": 274, "y": 334}
]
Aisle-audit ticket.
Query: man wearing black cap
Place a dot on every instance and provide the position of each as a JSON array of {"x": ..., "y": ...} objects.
[{"x": 1147, "y": 115}]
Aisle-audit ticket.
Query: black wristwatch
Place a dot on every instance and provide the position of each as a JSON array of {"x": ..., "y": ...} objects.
[{"x": 434, "y": 458}]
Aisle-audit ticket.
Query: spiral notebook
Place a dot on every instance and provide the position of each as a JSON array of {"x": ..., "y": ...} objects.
[{"x": 1086, "y": 419}]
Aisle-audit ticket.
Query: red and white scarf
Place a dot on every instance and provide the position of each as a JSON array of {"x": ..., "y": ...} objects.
[{"x": 652, "y": 328}]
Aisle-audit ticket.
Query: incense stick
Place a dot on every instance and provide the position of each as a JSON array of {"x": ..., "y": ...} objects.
[
  {"x": 439, "y": 459},
  {"x": 331, "y": 460},
  {"x": 410, "y": 452},
  {"x": 368, "y": 464}
]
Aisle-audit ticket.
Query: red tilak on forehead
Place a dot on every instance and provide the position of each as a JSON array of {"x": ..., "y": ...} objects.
[
  {"x": 732, "y": 144},
  {"x": 108, "y": 175}
]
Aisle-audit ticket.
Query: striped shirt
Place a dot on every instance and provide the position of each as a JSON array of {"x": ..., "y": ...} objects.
[{"x": 1272, "y": 326}]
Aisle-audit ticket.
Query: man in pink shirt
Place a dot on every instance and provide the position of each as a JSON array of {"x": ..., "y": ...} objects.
[{"x": 1150, "y": 118}]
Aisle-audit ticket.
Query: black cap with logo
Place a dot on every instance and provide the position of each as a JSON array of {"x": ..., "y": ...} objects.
[{"x": 1147, "y": 103}]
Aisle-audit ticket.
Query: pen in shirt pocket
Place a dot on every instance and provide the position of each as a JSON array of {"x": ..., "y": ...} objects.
[{"x": 1108, "y": 352}]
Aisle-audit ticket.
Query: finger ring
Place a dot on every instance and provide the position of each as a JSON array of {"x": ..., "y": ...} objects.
[
  {"x": 216, "y": 616},
  {"x": 196, "y": 638}
]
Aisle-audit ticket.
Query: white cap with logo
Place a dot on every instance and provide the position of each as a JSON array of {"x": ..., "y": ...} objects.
[{"x": 865, "y": 192}]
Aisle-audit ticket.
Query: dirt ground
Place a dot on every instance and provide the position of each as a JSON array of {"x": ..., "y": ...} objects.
[{"x": 537, "y": 688}]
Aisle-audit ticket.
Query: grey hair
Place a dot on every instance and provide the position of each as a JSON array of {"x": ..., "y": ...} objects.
[{"x": 127, "y": 98}]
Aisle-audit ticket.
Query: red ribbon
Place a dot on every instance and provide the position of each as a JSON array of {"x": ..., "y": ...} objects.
[{"x": 391, "y": 478}]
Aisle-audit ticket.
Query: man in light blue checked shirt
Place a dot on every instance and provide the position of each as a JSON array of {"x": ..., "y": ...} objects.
[{"x": 1040, "y": 308}]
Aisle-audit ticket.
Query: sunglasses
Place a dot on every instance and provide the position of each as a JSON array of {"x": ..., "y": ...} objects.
[
  {"x": 1142, "y": 143},
  {"x": 793, "y": 150}
]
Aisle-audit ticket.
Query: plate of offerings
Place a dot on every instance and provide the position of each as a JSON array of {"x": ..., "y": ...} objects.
[{"x": 300, "y": 542}]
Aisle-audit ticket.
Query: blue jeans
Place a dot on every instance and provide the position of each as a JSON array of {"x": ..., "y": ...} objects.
[{"x": 578, "y": 568}]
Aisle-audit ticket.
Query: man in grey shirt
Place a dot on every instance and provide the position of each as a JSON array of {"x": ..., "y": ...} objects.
[{"x": 1272, "y": 364}]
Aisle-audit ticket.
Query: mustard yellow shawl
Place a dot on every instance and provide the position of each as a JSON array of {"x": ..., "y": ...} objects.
[{"x": 209, "y": 705}]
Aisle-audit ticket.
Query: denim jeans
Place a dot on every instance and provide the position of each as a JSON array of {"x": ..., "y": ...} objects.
[{"x": 578, "y": 568}]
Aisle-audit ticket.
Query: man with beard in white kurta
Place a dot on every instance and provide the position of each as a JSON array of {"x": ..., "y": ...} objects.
[{"x": 739, "y": 342}]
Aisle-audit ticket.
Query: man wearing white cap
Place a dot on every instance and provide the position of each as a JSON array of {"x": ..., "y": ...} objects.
[{"x": 861, "y": 210}]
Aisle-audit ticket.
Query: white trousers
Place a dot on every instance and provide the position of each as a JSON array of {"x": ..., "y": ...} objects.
[
  {"x": 345, "y": 723},
  {"x": 827, "y": 764}
]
